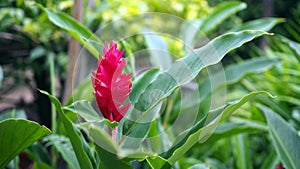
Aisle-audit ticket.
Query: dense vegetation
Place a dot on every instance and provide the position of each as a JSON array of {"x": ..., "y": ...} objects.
[{"x": 215, "y": 84}]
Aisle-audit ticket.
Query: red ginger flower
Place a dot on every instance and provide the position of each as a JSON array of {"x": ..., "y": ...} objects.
[{"x": 112, "y": 87}]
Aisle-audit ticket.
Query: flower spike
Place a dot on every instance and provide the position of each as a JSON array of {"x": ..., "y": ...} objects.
[{"x": 112, "y": 87}]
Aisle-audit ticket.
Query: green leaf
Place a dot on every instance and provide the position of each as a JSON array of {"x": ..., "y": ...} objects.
[
  {"x": 155, "y": 142},
  {"x": 37, "y": 52},
  {"x": 231, "y": 129},
  {"x": 204, "y": 128},
  {"x": 263, "y": 24},
  {"x": 38, "y": 153},
  {"x": 293, "y": 45},
  {"x": 284, "y": 137},
  {"x": 106, "y": 149},
  {"x": 242, "y": 154},
  {"x": 109, "y": 160},
  {"x": 152, "y": 89},
  {"x": 139, "y": 85},
  {"x": 102, "y": 139},
  {"x": 85, "y": 110},
  {"x": 137, "y": 133},
  {"x": 78, "y": 143},
  {"x": 270, "y": 161},
  {"x": 210, "y": 22},
  {"x": 199, "y": 166},
  {"x": 40, "y": 165},
  {"x": 220, "y": 14},
  {"x": 158, "y": 162},
  {"x": 63, "y": 145},
  {"x": 184, "y": 70},
  {"x": 82, "y": 92},
  {"x": 16, "y": 135},
  {"x": 233, "y": 73},
  {"x": 77, "y": 30},
  {"x": 15, "y": 113}
]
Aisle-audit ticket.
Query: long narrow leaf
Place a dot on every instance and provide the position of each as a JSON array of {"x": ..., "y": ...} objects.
[
  {"x": 231, "y": 129},
  {"x": 211, "y": 21},
  {"x": 263, "y": 24},
  {"x": 77, "y": 142},
  {"x": 184, "y": 70},
  {"x": 64, "y": 146},
  {"x": 77, "y": 30},
  {"x": 203, "y": 129},
  {"x": 241, "y": 151},
  {"x": 221, "y": 13},
  {"x": 285, "y": 139}
]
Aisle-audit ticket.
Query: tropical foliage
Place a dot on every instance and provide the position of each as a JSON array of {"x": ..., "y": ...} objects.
[{"x": 184, "y": 110}]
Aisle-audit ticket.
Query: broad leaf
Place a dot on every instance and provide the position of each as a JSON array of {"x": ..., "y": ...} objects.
[
  {"x": 285, "y": 139},
  {"x": 15, "y": 113},
  {"x": 16, "y": 135},
  {"x": 78, "y": 143}
]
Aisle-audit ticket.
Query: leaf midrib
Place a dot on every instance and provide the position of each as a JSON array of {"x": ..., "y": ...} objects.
[{"x": 282, "y": 146}]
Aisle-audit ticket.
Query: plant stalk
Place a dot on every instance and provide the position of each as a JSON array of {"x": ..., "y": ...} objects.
[{"x": 53, "y": 110}]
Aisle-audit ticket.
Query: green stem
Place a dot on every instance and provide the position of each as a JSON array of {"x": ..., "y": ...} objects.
[{"x": 53, "y": 111}]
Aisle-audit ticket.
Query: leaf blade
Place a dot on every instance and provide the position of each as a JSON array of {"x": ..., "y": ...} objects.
[
  {"x": 198, "y": 133},
  {"x": 284, "y": 137},
  {"x": 76, "y": 141},
  {"x": 16, "y": 135},
  {"x": 76, "y": 29}
]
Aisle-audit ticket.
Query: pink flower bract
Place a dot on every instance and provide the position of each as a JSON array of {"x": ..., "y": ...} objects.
[{"x": 112, "y": 86}]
